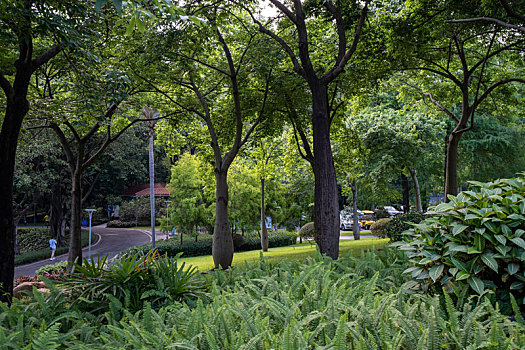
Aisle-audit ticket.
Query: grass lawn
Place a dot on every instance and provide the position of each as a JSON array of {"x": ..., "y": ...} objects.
[
  {"x": 350, "y": 233},
  {"x": 295, "y": 251}
]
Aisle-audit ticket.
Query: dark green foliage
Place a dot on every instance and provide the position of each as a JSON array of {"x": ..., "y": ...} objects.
[
  {"x": 382, "y": 214},
  {"x": 45, "y": 252},
  {"x": 474, "y": 241},
  {"x": 378, "y": 228},
  {"x": 172, "y": 247},
  {"x": 32, "y": 239},
  {"x": 132, "y": 281},
  {"x": 351, "y": 303},
  {"x": 400, "y": 223},
  {"x": 307, "y": 231}
]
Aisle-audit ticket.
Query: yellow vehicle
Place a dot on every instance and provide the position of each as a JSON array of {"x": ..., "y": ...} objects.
[{"x": 367, "y": 219}]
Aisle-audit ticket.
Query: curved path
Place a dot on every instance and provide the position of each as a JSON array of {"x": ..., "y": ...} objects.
[{"x": 110, "y": 241}]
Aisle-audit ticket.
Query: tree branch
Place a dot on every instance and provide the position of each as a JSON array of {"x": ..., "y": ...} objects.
[
  {"x": 261, "y": 110},
  {"x": 65, "y": 145},
  {"x": 439, "y": 105},
  {"x": 8, "y": 89},
  {"x": 488, "y": 19},
  {"x": 45, "y": 57},
  {"x": 492, "y": 87},
  {"x": 339, "y": 67}
]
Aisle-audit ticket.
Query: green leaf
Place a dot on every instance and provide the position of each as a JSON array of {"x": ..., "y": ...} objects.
[
  {"x": 459, "y": 264},
  {"x": 516, "y": 217},
  {"x": 506, "y": 230},
  {"x": 99, "y": 4},
  {"x": 462, "y": 275},
  {"x": 476, "y": 284},
  {"x": 457, "y": 229},
  {"x": 436, "y": 271},
  {"x": 517, "y": 285},
  {"x": 503, "y": 250},
  {"x": 491, "y": 226},
  {"x": 502, "y": 239},
  {"x": 471, "y": 217},
  {"x": 490, "y": 262},
  {"x": 118, "y": 5},
  {"x": 519, "y": 242},
  {"x": 480, "y": 230},
  {"x": 513, "y": 268}
]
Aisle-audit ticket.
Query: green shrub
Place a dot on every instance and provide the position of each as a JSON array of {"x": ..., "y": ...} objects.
[
  {"x": 475, "y": 240},
  {"x": 351, "y": 303},
  {"x": 307, "y": 231},
  {"x": 401, "y": 222},
  {"x": 382, "y": 214},
  {"x": 132, "y": 281},
  {"x": 378, "y": 228},
  {"x": 60, "y": 266},
  {"x": 172, "y": 247},
  {"x": 32, "y": 239},
  {"x": 45, "y": 253}
]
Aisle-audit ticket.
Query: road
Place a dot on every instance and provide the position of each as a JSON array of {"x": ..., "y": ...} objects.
[{"x": 110, "y": 241}]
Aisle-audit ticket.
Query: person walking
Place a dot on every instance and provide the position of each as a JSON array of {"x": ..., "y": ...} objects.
[{"x": 53, "y": 247}]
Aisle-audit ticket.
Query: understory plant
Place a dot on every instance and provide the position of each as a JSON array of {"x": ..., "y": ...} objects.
[
  {"x": 133, "y": 281},
  {"x": 351, "y": 303},
  {"x": 398, "y": 224},
  {"x": 476, "y": 240}
]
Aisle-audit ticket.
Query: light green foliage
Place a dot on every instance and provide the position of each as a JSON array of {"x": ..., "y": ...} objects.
[
  {"x": 307, "y": 231},
  {"x": 352, "y": 303},
  {"x": 475, "y": 240},
  {"x": 245, "y": 191},
  {"x": 379, "y": 227},
  {"x": 192, "y": 194}
]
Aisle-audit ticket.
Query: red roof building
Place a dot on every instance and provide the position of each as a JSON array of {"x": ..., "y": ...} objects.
[{"x": 159, "y": 190}]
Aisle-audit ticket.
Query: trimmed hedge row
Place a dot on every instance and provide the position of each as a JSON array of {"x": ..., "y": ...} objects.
[{"x": 172, "y": 247}]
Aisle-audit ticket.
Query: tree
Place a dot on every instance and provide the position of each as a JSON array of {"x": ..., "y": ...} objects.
[
  {"x": 458, "y": 67},
  {"x": 219, "y": 79},
  {"x": 319, "y": 78},
  {"x": 35, "y": 32}
]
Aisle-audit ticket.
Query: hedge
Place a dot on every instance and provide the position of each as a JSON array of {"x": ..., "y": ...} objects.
[
  {"x": 41, "y": 253},
  {"x": 203, "y": 246}
]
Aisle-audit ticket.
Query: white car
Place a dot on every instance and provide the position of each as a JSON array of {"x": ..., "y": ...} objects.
[{"x": 346, "y": 223}]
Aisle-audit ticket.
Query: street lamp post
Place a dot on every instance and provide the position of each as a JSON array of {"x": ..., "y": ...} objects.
[
  {"x": 90, "y": 212},
  {"x": 167, "y": 219}
]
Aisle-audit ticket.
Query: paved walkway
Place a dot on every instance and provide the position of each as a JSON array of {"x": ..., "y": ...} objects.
[{"x": 110, "y": 241}]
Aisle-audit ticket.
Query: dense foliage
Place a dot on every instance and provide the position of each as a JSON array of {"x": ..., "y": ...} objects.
[
  {"x": 378, "y": 228},
  {"x": 354, "y": 303},
  {"x": 475, "y": 240},
  {"x": 203, "y": 245},
  {"x": 402, "y": 222},
  {"x": 132, "y": 282}
]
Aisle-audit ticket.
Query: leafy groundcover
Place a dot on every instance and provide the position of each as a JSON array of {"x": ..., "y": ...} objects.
[{"x": 352, "y": 303}]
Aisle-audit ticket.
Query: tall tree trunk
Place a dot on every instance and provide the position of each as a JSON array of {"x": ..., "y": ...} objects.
[
  {"x": 451, "y": 170},
  {"x": 264, "y": 231},
  {"x": 406, "y": 193},
  {"x": 75, "y": 227},
  {"x": 356, "y": 228},
  {"x": 222, "y": 248},
  {"x": 417, "y": 190},
  {"x": 326, "y": 206},
  {"x": 8, "y": 141}
]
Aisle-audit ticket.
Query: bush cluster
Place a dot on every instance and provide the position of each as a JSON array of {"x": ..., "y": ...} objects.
[
  {"x": 132, "y": 282},
  {"x": 352, "y": 303},
  {"x": 378, "y": 228},
  {"x": 307, "y": 231},
  {"x": 203, "y": 246},
  {"x": 401, "y": 222},
  {"x": 476, "y": 241},
  {"x": 32, "y": 239}
]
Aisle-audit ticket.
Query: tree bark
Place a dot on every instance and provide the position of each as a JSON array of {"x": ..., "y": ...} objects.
[
  {"x": 75, "y": 227},
  {"x": 264, "y": 231},
  {"x": 11, "y": 125},
  {"x": 222, "y": 247},
  {"x": 356, "y": 227},
  {"x": 417, "y": 190},
  {"x": 406, "y": 193},
  {"x": 326, "y": 206},
  {"x": 451, "y": 169}
]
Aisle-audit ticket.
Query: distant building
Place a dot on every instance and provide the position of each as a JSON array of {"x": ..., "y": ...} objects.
[{"x": 159, "y": 189}]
